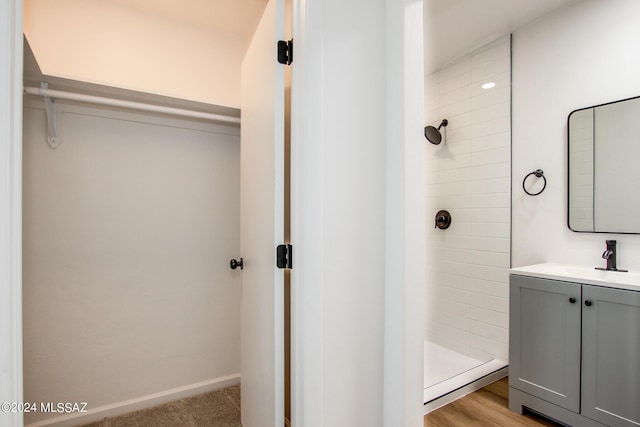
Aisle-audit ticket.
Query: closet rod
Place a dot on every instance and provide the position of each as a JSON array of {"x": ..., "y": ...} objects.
[{"x": 48, "y": 93}]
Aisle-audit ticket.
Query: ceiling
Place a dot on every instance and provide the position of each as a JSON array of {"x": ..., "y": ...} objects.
[
  {"x": 237, "y": 19},
  {"x": 454, "y": 28}
]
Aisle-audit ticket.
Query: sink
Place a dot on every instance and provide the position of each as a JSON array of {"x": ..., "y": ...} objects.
[{"x": 582, "y": 274}]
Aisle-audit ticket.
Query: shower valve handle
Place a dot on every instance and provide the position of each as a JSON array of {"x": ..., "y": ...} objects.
[{"x": 443, "y": 219}]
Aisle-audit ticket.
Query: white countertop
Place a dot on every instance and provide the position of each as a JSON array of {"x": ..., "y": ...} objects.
[{"x": 581, "y": 274}]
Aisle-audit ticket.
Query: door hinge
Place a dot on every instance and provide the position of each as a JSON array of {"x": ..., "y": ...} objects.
[
  {"x": 284, "y": 256},
  {"x": 285, "y": 52}
]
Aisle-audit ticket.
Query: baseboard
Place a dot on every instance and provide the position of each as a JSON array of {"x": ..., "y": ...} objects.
[{"x": 143, "y": 402}]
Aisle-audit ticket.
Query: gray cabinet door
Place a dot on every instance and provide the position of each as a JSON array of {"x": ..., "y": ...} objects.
[
  {"x": 544, "y": 339},
  {"x": 611, "y": 356}
]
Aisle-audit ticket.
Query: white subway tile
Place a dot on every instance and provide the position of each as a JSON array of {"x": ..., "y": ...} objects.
[
  {"x": 455, "y": 254},
  {"x": 452, "y": 110},
  {"x": 451, "y": 336},
  {"x": 449, "y": 160},
  {"x": 472, "y": 277},
  {"x": 456, "y": 275},
  {"x": 492, "y": 200},
  {"x": 500, "y": 350},
  {"x": 455, "y": 201},
  {"x": 491, "y": 332},
  {"x": 454, "y": 143},
  {"x": 456, "y": 120},
  {"x": 455, "y": 321},
  {"x": 459, "y": 67},
  {"x": 489, "y": 157},
  {"x": 492, "y": 171},
  {"x": 493, "y": 274},
  {"x": 459, "y": 81},
  {"x": 490, "y": 215},
  {"x": 491, "y": 112},
  {"x": 458, "y": 228},
  {"x": 490, "y": 244},
  {"x": 487, "y": 287},
  {"x": 455, "y": 96},
  {"x": 491, "y": 127},
  {"x": 491, "y": 185},
  {"x": 502, "y": 81},
  {"x": 455, "y": 294},
  {"x": 430, "y": 331},
  {"x": 480, "y": 354},
  {"x": 489, "y": 229},
  {"x": 489, "y": 142},
  {"x": 455, "y": 307},
  {"x": 490, "y": 55},
  {"x": 450, "y": 188},
  {"x": 490, "y": 259},
  {"x": 491, "y": 303},
  {"x": 459, "y": 241},
  {"x": 469, "y": 175},
  {"x": 497, "y": 96},
  {"x": 454, "y": 175},
  {"x": 582, "y": 180},
  {"x": 462, "y": 215},
  {"x": 483, "y": 73},
  {"x": 456, "y": 340},
  {"x": 488, "y": 316}
]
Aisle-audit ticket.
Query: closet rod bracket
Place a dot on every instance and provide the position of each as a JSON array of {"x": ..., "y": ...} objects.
[{"x": 53, "y": 138}]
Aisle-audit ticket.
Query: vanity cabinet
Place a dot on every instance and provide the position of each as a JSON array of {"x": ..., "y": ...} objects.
[{"x": 574, "y": 351}]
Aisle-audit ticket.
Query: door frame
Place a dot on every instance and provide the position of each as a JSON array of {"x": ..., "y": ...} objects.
[{"x": 11, "y": 47}]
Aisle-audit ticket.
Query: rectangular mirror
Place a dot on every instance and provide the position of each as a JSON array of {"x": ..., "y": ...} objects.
[{"x": 604, "y": 151}]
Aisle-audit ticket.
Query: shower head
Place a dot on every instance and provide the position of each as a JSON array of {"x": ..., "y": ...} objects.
[{"x": 433, "y": 134}]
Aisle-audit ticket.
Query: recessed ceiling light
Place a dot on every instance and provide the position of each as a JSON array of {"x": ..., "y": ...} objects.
[{"x": 488, "y": 85}]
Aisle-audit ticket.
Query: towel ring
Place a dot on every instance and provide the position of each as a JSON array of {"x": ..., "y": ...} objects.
[{"x": 539, "y": 174}]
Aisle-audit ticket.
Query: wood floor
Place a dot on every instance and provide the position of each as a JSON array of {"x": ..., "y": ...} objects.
[{"x": 488, "y": 407}]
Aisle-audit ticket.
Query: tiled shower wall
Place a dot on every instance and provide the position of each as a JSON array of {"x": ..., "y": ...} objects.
[{"x": 468, "y": 174}]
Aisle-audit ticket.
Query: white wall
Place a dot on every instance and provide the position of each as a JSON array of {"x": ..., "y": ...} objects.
[
  {"x": 468, "y": 175},
  {"x": 579, "y": 56},
  {"x": 115, "y": 45},
  {"x": 129, "y": 226},
  {"x": 405, "y": 211},
  {"x": 338, "y": 218},
  {"x": 348, "y": 117}
]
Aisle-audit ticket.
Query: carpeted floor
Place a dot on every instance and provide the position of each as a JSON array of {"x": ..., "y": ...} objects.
[{"x": 219, "y": 408}]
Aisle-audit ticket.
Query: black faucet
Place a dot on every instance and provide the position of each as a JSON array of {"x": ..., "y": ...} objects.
[{"x": 610, "y": 255}]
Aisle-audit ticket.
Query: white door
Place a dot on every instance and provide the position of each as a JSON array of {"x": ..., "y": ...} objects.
[{"x": 262, "y": 224}]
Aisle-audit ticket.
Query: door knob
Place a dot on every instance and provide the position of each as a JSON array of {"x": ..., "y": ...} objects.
[
  {"x": 234, "y": 263},
  {"x": 572, "y": 300},
  {"x": 588, "y": 303}
]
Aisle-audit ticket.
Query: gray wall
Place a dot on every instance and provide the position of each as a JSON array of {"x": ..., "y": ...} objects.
[{"x": 129, "y": 226}]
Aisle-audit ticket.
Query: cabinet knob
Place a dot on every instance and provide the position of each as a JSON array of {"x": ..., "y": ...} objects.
[
  {"x": 588, "y": 303},
  {"x": 572, "y": 300}
]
